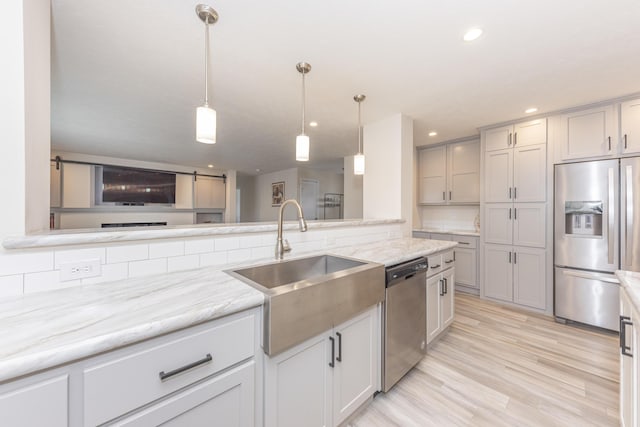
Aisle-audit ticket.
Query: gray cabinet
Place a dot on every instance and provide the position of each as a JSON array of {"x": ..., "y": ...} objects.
[
  {"x": 325, "y": 379},
  {"x": 440, "y": 293},
  {"x": 449, "y": 174}
]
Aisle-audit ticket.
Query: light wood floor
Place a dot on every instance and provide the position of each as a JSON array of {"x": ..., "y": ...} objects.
[{"x": 498, "y": 366}]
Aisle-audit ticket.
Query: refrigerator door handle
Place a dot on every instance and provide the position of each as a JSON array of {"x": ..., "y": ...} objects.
[
  {"x": 611, "y": 217},
  {"x": 628, "y": 224},
  {"x": 591, "y": 276}
]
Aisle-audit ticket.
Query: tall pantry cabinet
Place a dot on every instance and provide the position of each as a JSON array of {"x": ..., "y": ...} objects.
[{"x": 514, "y": 209}]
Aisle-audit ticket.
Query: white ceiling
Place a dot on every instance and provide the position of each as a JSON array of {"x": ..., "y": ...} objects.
[{"x": 128, "y": 75}]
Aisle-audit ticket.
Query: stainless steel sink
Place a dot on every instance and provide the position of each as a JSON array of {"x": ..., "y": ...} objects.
[{"x": 307, "y": 296}]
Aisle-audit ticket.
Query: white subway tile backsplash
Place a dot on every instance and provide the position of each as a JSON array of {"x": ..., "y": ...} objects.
[
  {"x": 147, "y": 267},
  {"x": 263, "y": 252},
  {"x": 239, "y": 255},
  {"x": 46, "y": 281},
  {"x": 253, "y": 242},
  {"x": 25, "y": 262},
  {"x": 186, "y": 262},
  {"x": 198, "y": 246},
  {"x": 166, "y": 249},
  {"x": 213, "y": 258},
  {"x": 11, "y": 285},
  {"x": 127, "y": 253},
  {"x": 227, "y": 243},
  {"x": 110, "y": 273},
  {"x": 74, "y": 255}
]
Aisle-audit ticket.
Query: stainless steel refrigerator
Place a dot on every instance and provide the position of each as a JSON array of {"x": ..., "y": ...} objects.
[{"x": 597, "y": 231}]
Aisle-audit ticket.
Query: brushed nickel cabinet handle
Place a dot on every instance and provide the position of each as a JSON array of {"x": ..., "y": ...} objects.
[
  {"x": 509, "y": 143},
  {"x": 624, "y": 322},
  {"x": 515, "y": 192},
  {"x": 509, "y": 257},
  {"x": 609, "y": 139},
  {"x": 625, "y": 141},
  {"x": 515, "y": 258},
  {"x": 515, "y": 213},
  {"x": 515, "y": 139},
  {"x": 166, "y": 375},
  {"x": 333, "y": 352},
  {"x": 339, "y": 358},
  {"x": 443, "y": 196}
]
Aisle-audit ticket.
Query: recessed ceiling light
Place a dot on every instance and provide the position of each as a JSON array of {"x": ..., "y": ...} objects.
[
  {"x": 433, "y": 133},
  {"x": 209, "y": 166},
  {"x": 531, "y": 110},
  {"x": 257, "y": 170},
  {"x": 313, "y": 124},
  {"x": 472, "y": 34}
]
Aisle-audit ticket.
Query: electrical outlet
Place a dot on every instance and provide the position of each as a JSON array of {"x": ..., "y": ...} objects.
[{"x": 80, "y": 269}]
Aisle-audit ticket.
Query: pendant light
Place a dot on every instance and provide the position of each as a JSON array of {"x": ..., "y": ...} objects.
[
  {"x": 302, "y": 140},
  {"x": 358, "y": 159},
  {"x": 205, "y": 115}
]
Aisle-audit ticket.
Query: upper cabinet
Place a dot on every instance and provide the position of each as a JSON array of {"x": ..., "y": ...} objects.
[
  {"x": 450, "y": 174},
  {"x": 516, "y": 173},
  {"x": 630, "y": 127},
  {"x": 521, "y": 134},
  {"x": 588, "y": 133}
]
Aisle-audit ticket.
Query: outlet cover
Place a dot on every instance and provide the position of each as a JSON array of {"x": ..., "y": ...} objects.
[{"x": 80, "y": 269}]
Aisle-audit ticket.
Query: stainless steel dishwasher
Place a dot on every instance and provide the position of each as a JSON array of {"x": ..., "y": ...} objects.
[{"x": 405, "y": 320}]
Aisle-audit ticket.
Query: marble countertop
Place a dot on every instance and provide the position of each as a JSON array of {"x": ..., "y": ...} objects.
[
  {"x": 459, "y": 232},
  {"x": 630, "y": 281},
  {"x": 47, "y": 329},
  {"x": 107, "y": 235}
]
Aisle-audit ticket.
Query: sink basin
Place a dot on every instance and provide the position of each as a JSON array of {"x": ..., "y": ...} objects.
[
  {"x": 272, "y": 276},
  {"x": 307, "y": 296}
]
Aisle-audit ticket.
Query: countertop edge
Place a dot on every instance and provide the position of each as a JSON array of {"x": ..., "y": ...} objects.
[
  {"x": 99, "y": 236},
  {"x": 630, "y": 282},
  {"x": 452, "y": 232}
]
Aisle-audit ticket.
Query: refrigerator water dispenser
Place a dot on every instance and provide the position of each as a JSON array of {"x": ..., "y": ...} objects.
[{"x": 583, "y": 218}]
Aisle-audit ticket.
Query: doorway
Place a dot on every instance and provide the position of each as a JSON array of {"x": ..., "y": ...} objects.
[{"x": 309, "y": 191}]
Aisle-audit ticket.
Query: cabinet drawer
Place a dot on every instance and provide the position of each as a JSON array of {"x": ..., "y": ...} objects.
[
  {"x": 440, "y": 236},
  {"x": 465, "y": 241},
  {"x": 435, "y": 264},
  {"x": 421, "y": 235},
  {"x": 119, "y": 386},
  {"x": 448, "y": 259}
]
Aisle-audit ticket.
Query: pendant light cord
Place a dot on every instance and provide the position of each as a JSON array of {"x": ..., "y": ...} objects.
[
  {"x": 359, "y": 130},
  {"x": 303, "y": 102},
  {"x": 206, "y": 62}
]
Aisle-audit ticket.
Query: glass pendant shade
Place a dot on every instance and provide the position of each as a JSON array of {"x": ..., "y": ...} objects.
[
  {"x": 358, "y": 164},
  {"x": 302, "y": 148},
  {"x": 206, "y": 125}
]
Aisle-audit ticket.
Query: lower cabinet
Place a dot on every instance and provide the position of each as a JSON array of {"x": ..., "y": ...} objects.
[
  {"x": 194, "y": 377},
  {"x": 43, "y": 403},
  {"x": 515, "y": 274},
  {"x": 325, "y": 379},
  {"x": 440, "y": 301},
  {"x": 629, "y": 363}
]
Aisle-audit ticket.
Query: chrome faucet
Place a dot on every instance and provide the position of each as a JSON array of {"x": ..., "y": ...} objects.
[{"x": 283, "y": 246}]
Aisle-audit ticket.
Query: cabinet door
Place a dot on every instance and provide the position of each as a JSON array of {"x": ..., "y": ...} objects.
[
  {"x": 76, "y": 186},
  {"x": 463, "y": 172},
  {"x": 447, "y": 300},
  {"x": 210, "y": 193},
  {"x": 297, "y": 385},
  {"x": 226, "y": 400},
  {"x": 626, "y": 366},
  {"x": 466, "y": 268},
  {"x": 435, "y": 287},
  {"x": 498, "y": 138},
  {"x": 529, "y": 224},
  {"x": 530, "y": 173},
  {"x": 529, "y": 287},
  {"x": 438, "y": 236},
  {"x": 433, "y": 179},
  {"x": 589, "y": 133},
  {"x": 41, "y": 404},
  {"x": 630, "y": 126},
  {"x": 530, "y": 133},
  {"x": 498, "y": 176},
  {"x": 354, "y": 376},
  {"x": 498, "y": 272},
  {"x": 498, "y": 223}
]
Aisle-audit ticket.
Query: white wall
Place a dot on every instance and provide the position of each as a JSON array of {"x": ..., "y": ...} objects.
[
  {"x": 352, "y": 190},
  {"x": 267, "y": 212},
  {"x": 388, "y": 180}
]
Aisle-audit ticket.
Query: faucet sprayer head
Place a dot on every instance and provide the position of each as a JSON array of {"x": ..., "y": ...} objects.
[{"x": 303, "y": 224}]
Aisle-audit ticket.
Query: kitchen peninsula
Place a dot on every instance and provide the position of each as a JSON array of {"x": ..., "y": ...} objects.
[{"x": 75, "y": 333}]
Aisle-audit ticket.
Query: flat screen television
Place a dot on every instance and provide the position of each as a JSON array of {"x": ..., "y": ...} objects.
[{"x": 130, "y": 186}]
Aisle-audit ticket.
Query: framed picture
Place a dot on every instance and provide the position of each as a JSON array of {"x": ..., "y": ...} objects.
[{"x": 277, "y": 193}]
